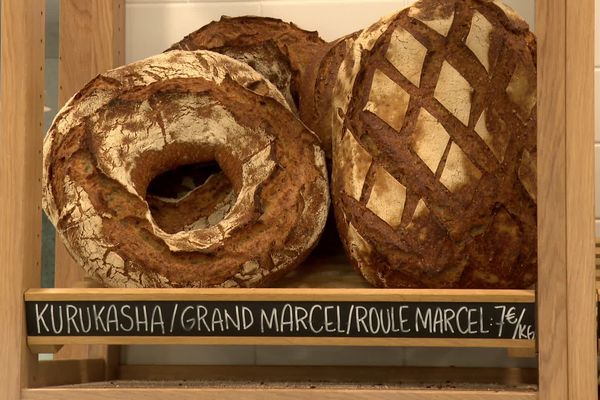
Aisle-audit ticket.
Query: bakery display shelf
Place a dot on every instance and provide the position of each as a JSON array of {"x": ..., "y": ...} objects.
[
  {"x": 93, "y": 40},
  {"x": 207, "y": 390},
  {"x": 150, "y": 391},
  {"x": 429, "y": 317},
  {"x": 321, "y": 281},
  {"x": 197, "y": 381}
]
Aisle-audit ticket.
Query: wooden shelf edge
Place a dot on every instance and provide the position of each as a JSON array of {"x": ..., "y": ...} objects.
[
  {"x": 272, "y": 394},
  {"x": 44, "y": 342},
  {"x": 409, "y": 295}
]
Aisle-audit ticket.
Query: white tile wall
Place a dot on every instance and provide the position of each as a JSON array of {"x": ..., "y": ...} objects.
[
  {"x": 332, "y": 19},
  {"x": 152, "y": 26}
]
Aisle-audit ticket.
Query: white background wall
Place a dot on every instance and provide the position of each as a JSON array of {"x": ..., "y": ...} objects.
[{"x": 152, "y": 26}]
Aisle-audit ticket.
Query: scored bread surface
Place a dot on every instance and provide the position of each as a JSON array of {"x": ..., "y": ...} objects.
[
  {"x": 434, "y": 128},
  {"x": 131, "y": 124}
]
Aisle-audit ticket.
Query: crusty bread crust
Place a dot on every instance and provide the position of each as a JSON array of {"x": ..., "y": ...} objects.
[
  {"x": 133, "y": 123},
  {"x": 280, "y": 51},
  {"x": 299, "y": 63},
  {"x": 434, "y": 176}
]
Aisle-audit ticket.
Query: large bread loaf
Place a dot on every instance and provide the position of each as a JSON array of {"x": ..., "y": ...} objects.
[
  {"x": 434, "y": 125},
  {"x": 244, "y": 227},
  {"x": 299, "y": 63},
  {"x": 278, "y": 50}
]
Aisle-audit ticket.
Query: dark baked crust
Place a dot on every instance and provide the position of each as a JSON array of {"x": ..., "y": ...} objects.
[
  {"x": 278, "y": 50},
  {"x": 434, "y": 180},
  {"x": 298, "y": 62},
  {"x": 133, "y": 123},
  {"x": 316, "y": 109}
]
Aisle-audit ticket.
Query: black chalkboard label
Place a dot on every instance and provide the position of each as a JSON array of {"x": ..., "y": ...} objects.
[{"x": 282, "y": 319}]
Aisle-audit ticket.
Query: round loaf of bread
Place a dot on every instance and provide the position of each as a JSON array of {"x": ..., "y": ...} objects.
[
  {"x": 434, "y": 176},
  {"x": 299, "y": 63},
  {"x": 280, "y": 51},
  {"x": 243, "y": 227}
]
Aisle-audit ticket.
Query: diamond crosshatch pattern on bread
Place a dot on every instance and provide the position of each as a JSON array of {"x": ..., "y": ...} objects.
[{"x": 444, "y": 104}]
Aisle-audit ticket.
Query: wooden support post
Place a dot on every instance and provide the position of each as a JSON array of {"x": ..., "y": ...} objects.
[
  {"x": 566, "y": 295},
  {"x": 581, "y": 271},
  {"x": 92, "y": 40},
  {"x": 21, "y": 125}
]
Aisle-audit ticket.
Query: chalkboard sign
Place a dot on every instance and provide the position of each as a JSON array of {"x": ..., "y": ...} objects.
[{"x": 329, "y": 319}]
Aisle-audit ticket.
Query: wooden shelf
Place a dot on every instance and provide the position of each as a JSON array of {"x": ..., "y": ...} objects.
[
  {"x": 92, "y": 38},
  {"x": 326, "y": 276},
  {"x": 254, "y": 393},
  {"x": 284, "y": 294},
  {"x": 88, "y": 374},
  {"x": 275, "y": 382},
  {"x": 514, "y": 378}
]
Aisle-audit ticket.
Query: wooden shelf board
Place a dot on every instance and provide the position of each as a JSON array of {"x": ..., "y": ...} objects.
[
  {"x": 146, "y": 390},
  {"x": 37, "y": 343},
  {"x": 374, "y": 375},
  {"x": 290, "y": 294}
]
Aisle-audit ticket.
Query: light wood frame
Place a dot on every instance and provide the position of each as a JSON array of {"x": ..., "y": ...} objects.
[
  {"x": 565, "y": 296},
  {"x": 92, "y": 40}
]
